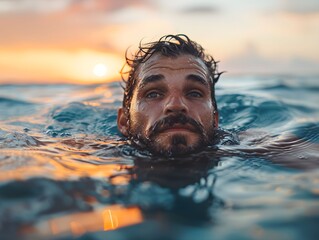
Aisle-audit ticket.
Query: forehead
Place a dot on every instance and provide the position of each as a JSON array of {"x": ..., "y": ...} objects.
[{"x": 159, "y": 64}]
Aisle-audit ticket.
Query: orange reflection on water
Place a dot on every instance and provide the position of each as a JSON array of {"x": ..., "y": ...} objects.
[
  {"x": 117, "y": 217},
  {"x": 24, "y": 164},
  {"x": 110, "y": 221},
  {"x": 105, "y": 219}
]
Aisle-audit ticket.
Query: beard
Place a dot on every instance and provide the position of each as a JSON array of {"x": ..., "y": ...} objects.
[{"x": 174, "y": 145}]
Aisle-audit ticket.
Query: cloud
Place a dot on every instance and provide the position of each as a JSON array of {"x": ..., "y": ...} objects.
[
  {"x": 68, "y": 24},
  {"x": 248, "y": 60},
  {"x": 53, "y": 6},
  {"x": 251, "y": 61},
  {"x": 32, "y": 6},
  {"x": 104, "y": 6},
  {"x": 199, "y": 10},
  {"x": 301, "y": 7}
]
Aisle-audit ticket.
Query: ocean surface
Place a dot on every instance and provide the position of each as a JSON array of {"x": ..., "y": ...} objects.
[{"x": 67, "y": 173}]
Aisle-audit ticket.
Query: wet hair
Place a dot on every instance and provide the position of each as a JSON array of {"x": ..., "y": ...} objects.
[{"x": 168, "y": 46}]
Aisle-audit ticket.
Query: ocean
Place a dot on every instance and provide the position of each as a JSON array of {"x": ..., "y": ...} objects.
[{"x": 67, "y": 173}]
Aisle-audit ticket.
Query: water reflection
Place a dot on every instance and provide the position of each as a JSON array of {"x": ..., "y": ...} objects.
[
  {"x": 184, "y": 188},
  {"x": 66, "y": 174},
  {"x": 101, "y": 219},
  {"x": 176, "y": 191}
]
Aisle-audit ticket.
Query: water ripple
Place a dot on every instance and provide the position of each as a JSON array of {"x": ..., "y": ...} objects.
[{"x": 67, "y": 173}]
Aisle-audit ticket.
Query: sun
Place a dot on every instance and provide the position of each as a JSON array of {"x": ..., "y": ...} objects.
[{"x": 100, "y": 70}]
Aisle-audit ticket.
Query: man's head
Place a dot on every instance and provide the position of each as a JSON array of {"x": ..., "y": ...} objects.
[{"x": 169, "y": 101}]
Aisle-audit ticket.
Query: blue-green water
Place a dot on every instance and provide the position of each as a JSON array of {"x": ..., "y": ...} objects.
[{"x": 66, "y": 173}]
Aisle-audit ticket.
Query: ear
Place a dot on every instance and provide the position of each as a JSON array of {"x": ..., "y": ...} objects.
[
  {"x": 216, "y": 119},
  {"x": 122, "y": 122}
]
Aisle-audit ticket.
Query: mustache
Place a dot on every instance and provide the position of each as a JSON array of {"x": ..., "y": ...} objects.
[{"x": 170, "y": 120}]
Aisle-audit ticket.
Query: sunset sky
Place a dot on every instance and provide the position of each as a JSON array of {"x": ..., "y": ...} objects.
[{"x": 84, "y": 41}]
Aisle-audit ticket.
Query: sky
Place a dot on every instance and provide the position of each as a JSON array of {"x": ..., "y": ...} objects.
[{"x": 84, "y": 41}]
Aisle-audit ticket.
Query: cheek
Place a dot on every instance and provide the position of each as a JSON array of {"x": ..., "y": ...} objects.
[
  {"x": 136, "y": 115},
  {"x": 206, "y": 114},
  {"x": 143, "y": 115}
]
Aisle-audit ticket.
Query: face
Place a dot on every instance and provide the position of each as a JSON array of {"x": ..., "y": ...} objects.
[{"x": 171, "y": 112}]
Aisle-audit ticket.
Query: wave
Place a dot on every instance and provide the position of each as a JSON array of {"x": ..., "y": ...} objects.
[
  {"x": 13, "y": 102},
  {"x": 17, "y": 140},
  {"x": 240, "y": 112},
  {"x": 77, "y": 117}
]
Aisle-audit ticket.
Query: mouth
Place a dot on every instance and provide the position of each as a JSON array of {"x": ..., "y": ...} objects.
[{"x": 178, "y": 128}]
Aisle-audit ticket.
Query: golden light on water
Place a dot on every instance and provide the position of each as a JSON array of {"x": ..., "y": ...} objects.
[
  {"x": 104, "y": 219},
  {"x": 110, "y": 221}
]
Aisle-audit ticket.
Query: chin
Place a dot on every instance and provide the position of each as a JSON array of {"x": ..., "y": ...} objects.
[{"x": 176, "y": 144}]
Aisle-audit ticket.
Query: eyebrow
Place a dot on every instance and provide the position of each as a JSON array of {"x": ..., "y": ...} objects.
[
  {"x": 198, "y": 79},
  {"x": 151, "y": 79},
  {"x": 160, "y": 77}
]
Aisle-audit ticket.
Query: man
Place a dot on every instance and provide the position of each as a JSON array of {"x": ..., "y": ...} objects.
[
  {"x": 169, "y": 104},
  {"x": 169, "y": 107}
]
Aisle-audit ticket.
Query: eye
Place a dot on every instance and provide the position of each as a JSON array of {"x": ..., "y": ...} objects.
[
  {"x": 195, "y": 94},
  {"x": 153, "y": 94}
]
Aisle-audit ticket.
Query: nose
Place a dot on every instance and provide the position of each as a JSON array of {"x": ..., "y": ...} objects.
[{"x": 175, "y": 104}]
